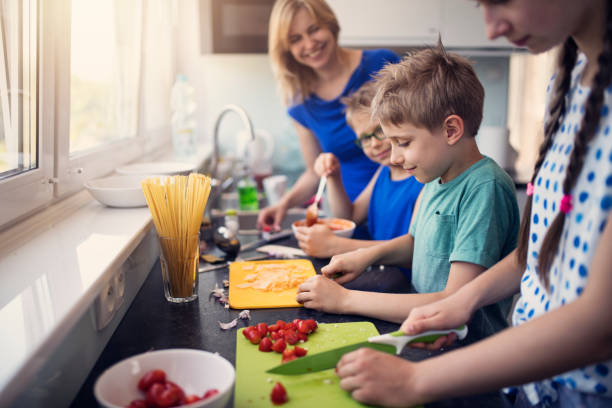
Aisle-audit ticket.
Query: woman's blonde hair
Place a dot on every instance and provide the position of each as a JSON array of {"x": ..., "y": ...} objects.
[{"x": 294, "y": 79}]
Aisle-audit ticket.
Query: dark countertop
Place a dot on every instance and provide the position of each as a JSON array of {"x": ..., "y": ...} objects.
[{"x": 152, "y": 323}]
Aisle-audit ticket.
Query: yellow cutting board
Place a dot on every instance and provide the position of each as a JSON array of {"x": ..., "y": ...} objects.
[{"x": 250, "y": 298}]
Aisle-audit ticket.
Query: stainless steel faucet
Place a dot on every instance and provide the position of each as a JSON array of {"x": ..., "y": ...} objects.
[{"x": 247, "y": 123}]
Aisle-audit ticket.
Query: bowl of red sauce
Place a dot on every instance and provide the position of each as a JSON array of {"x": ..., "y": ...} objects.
[{"x": 340, "y": 226}]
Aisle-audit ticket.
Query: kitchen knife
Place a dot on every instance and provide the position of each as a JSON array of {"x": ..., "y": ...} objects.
[{"x": 391, "y": 343}]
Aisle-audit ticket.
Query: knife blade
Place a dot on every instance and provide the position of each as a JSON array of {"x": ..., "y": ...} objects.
[{"x": 391, "y": 343}]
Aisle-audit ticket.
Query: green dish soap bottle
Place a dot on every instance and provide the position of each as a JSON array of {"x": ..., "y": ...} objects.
[{"x": 247, "y": 192}]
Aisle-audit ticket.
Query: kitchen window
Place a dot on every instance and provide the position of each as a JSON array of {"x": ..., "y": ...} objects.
[{"x": 73, "y": 80}]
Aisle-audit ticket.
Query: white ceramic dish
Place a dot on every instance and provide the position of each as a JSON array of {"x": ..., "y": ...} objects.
[
  {"x": 166, "y": 168},
  {"x": 118, "y": 191},
  {"x": 195, "y": 371},
  {"x": 340, "y": 227}
]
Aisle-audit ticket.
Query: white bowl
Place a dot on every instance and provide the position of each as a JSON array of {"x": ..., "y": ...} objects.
[
  {"x": 166, "y": 168},
  {"x": 195, "y": 371},
  {"x": 118, "y": 191},
  {"x": 340, "y": 226}
]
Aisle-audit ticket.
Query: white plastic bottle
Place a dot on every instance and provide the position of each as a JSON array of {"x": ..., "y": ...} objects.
[{"x": 183, "y": 105}]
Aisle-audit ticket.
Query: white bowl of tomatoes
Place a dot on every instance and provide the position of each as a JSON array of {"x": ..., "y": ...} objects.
[{"x": 167, "y": 378}]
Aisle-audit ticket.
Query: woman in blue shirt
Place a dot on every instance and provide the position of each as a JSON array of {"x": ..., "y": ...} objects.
[{"x": 314, "y": 73}]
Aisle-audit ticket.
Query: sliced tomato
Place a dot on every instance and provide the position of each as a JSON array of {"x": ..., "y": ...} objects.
[
  {"x": 291, "y": 337},
  {"x": 296, "y": 321},
  {"x": 278, "y": 396},
  {"x": 288, "y": 355},
  {"x": 191, "y": 398},
  {"x": 291, "y": 326},
  {"x": 265, "y": 344},
  {"x": 281, "y": 324},
  {"x": 279, "y": 345},
  {"x": 262, "y": 328},
  {"x": 275, "y": 335},
  {"x": 150, "y": 378},
  {"x": 210, "y": 393},
  {"x": 304, "y": 327},
  {"x": 248, "y": 330},
  {"x": 273, "y": 328},
  {"x": 139, "y": 403},
  {"x": 299, "y": 351},
  {"x": 302, "y": 336},
  {"x": 253, "y": 336}
]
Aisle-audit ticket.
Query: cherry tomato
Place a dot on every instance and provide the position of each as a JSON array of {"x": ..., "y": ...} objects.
[
  {"x": 291, "y": 326},
  {"x": 262, "y": 328},
  {"x": 273, "y": 328},
  {"x": 278, "y": 396},
  {"x": 150, "y": 378},
  {"x": 304, "y": 327},
  {"x": 265, "y": 344},
  {"x": 288, "y": 355},
  {"x": 302, "y": 336},
  {"x": 275, "y": 335},
  {"x": 247, "y": 330},
  {"x": 291, "y": 337},
  {"x": 313, "y": 324},
  {"x": 296, "y": 321},
  {"x": 140, "y": 403},
  {"x": 279, "y": 345},
  {"x": 210, "y": 393},
  {"x": 164, "y": 395},
  {"x": 281, "y": 324},
  {"x": 299, "y": 351},
  {"x": 253, "y": 336}
]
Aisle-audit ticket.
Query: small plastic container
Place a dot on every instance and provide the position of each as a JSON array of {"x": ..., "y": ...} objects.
[{"x": 231, "y": 220}]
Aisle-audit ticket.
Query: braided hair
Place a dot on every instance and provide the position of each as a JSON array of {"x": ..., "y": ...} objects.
[{"x": 587, "y": 131}]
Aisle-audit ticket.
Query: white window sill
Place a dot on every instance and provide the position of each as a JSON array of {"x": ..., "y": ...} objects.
[
  {"x": 48, "y": 282},
  {"x": 53, "y": 267}
]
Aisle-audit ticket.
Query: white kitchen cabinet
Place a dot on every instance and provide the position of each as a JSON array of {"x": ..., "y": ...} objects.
[
  {"x": 387, "y": 22},
  {"x": 408, "y": 23},
  {"x": 462, "y": 26}
]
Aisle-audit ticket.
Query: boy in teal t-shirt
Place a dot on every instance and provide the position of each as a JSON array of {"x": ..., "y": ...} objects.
[{"x": 429, "y": 106}]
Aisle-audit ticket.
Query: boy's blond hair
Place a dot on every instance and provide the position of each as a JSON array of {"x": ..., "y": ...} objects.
[
  {"x": 294, "y": 79},
  {"x": 424, "y": 88},
  {"x": 359, "y": 101}
]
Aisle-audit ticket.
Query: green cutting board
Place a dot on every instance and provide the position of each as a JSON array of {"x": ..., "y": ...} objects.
[{"x": 320, "y": 389}]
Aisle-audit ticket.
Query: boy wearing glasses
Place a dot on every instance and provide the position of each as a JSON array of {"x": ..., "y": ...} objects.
[
  {"x": 386, "y": 203},
  {"x": 430, "y": 108}
]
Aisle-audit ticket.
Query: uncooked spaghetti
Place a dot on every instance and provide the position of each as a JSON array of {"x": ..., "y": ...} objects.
[{"x": 177, "y": 204}]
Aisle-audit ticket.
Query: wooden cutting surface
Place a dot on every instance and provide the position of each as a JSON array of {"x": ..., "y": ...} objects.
[{"x": 250, "y": 298}]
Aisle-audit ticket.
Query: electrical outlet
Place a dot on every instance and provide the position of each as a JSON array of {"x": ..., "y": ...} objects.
[
  {"x": 105, "y": 304},
  {"x": 119, "y": 281}
]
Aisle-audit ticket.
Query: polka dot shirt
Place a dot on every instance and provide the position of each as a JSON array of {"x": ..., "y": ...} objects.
[{"x": 591, "y": 200}]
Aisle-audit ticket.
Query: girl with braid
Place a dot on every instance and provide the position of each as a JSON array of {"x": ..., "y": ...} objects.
[{"x": 559, "y": 352}]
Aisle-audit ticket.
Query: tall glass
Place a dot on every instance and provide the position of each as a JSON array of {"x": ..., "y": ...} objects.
[{"x": 179, "y": 260}]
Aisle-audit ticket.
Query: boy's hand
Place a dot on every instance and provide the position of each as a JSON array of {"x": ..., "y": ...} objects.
[
  {"x": 316, "y": 241},
  {"x": 327, "y": 164},
  {"x": 443, "y": 314},
  {"x": 321, "y": 293},
  {"x": 271, "y": 217},
  {"x": 346, "y": 267},
  {"x": 377, "y": 378}
]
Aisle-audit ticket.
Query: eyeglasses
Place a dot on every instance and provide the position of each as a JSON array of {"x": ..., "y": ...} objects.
[{"x": 366, "y": 139}]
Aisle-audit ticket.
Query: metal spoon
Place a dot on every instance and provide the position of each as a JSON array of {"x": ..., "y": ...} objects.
[{"x": 227, "y": 241}]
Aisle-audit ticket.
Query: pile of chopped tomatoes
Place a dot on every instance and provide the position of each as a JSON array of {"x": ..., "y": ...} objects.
[
  {"x": 162, "y": 393},
  {"x": 275, "y": 337}
]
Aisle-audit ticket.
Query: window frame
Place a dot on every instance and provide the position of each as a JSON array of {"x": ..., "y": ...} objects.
[
  {"x": 31, "y": 189},
  {"x": 58, "y": 175}
]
